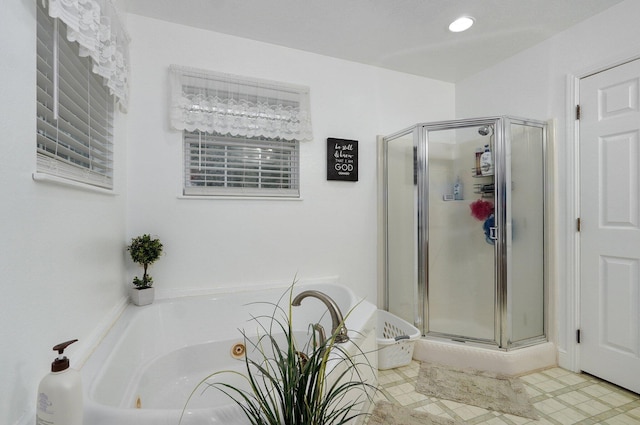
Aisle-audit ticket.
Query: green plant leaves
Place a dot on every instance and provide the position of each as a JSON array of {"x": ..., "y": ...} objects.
[
  {"x": 145, "y": 251},
  {"x": 318, "y": 383}
]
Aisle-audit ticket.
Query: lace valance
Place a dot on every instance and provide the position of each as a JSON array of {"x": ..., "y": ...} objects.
[
  {"x": 220, "y": 103},
  {"x": 101, "y": 35}
]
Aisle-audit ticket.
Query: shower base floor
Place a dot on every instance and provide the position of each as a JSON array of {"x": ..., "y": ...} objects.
[{"x": 512, "y": 363}]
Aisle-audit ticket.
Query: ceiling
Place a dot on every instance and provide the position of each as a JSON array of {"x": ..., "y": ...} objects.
[{"x": 404, "y": 35}]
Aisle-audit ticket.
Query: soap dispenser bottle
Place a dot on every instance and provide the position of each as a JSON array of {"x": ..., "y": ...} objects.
[
  {"x": 457, "y": 190},
  {"x": 60, "y": 393}
]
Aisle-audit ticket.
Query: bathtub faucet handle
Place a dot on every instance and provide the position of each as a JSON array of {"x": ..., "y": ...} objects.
[{"x": 322, "y": 336}]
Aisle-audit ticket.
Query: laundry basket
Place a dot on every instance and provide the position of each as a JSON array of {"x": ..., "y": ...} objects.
[{"x": 396, "y": 339}]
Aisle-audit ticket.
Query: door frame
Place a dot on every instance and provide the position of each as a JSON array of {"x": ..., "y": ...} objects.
[{"x": 569, "y": 354}]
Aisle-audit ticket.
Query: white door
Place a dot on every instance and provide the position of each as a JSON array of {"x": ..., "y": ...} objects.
[{"x": 610, "y": 225}]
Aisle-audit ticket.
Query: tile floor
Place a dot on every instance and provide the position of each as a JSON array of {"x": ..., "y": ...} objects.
[{"x": 559, "y": 396}]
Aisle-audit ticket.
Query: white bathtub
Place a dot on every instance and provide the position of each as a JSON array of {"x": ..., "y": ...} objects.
[{"x": 154, "y": 356}]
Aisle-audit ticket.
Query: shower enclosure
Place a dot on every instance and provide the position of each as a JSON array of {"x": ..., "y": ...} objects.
[{"x": 464, "y": 229}]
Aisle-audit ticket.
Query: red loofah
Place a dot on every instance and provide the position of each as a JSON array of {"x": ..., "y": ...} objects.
[{"x": 481, "y": 209}]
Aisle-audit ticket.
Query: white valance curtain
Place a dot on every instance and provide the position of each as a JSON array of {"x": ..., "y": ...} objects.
[
  {"x": 101, "y": 35},
  {"x": 214, "y": 102}
]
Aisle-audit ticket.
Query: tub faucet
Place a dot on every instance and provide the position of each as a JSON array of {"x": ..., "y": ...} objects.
[{"x": 338, "y": 329}]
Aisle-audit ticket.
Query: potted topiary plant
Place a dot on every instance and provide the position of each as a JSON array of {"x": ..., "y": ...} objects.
[{"x": 145, "y": 251}]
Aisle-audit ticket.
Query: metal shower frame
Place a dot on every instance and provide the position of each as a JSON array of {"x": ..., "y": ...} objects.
[{"x": 502, "y": 132}]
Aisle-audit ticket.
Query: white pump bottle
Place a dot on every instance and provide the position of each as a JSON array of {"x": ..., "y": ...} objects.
[
  {"x": 486, "y": 162},
  {"x": 60, "y": 393}
]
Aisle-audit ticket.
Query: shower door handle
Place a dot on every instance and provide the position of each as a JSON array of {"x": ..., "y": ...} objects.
[{"x": 493, "y": 233}]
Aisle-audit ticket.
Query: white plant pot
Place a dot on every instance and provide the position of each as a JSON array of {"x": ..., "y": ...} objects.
[{"x": 142, "y": 296}]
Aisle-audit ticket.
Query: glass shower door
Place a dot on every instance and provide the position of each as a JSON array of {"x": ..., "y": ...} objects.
[
  {"x": 401, "y": 226},
  {"x": 525, "y": 237},
  {"x": 461, "y": 269}
]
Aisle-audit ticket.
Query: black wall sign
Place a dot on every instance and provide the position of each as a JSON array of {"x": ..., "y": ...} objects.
[{"x": 342, "y": 159}]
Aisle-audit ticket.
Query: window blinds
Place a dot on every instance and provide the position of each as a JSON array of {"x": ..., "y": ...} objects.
[
  {"x": 217, "y": 165},
  {"x": 74, "y": 110}
]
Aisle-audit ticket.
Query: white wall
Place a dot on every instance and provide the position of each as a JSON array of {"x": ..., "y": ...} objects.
[
  {"x": 63, "y": 267},
  {"x": 218, "y": 243},
  {"x": 61, "y": 250},
  {"x": 61, "y": 255},
  {"x": 533, "y": 84}
]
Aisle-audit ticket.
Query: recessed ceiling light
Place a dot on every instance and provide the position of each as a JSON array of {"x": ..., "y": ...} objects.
[{"x": 461, "y": 24}]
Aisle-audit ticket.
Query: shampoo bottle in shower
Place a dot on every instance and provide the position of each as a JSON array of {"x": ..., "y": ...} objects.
[
  {"x": 457, "y": 190},
  {"x": 486, "y": 162},
  {"x": 60, "y": 393}
]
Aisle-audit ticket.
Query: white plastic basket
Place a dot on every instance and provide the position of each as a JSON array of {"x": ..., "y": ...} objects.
[{"x": 396, "y": 339}]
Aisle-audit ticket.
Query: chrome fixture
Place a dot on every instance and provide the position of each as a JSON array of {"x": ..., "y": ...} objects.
[
  {"x": 338, "y": 330},
  {"x": 485, "y": 130}
]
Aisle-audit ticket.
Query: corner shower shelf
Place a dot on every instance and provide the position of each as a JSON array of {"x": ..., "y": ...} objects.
[
  {"x": 486, "y": 190},
  {"x": 478, "y": 176}
]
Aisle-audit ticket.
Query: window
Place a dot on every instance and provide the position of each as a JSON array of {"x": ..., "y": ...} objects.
[
  {"x": 76, "y": 92},
  {"x": 241, "y": 136},
  {"x": 224, "y": 165}
]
